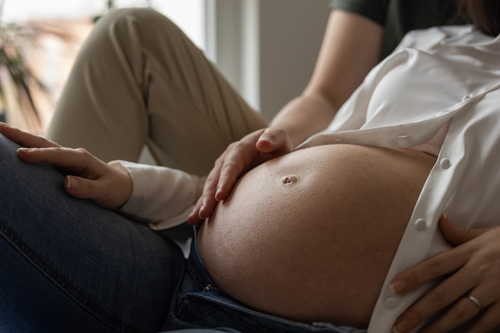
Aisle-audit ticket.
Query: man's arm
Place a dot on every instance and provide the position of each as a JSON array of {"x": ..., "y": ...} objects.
[{"x": 350, "y": 49}]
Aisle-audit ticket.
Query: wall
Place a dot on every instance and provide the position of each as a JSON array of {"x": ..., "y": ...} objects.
[
  {"x": 291, "y": 32},
  {"x": 267, "y": 48}
]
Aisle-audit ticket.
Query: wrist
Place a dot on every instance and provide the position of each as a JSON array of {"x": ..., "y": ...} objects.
[
  {"x": 304, "y": 116},
  {"x": 123, "y": 183},
  {"x": 126, "y": 188}
]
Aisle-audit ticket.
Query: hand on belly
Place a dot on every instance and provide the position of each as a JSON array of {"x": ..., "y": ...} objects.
[{"x": 310, "y": 236}]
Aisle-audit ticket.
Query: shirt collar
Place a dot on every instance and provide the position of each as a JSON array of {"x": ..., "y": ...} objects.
[{"x": 467, "y": 36}]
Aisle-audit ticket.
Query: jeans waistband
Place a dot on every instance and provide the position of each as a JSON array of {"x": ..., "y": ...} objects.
[
  {"x": 213, "y": 294},
  {"x": 195, "y": 259}
]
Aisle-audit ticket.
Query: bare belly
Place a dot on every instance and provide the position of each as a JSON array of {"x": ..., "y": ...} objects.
[{"x": 317, "y": 246}]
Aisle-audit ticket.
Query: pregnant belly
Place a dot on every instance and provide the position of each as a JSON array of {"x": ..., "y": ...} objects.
[{"x": 310, "y": 236}]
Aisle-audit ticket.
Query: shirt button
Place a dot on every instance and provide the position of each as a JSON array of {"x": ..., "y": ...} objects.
[
  {"x": 466, "y": 97},
  {"x": 420, "y": 224},
  {"x": 391, "y": 303},
  {"x": 445, "y": 163}
]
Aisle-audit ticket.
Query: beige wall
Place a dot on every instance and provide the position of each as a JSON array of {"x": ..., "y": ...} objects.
[
  {"x": 268, "y": 48},
  {"x": 291, "y": 32}
]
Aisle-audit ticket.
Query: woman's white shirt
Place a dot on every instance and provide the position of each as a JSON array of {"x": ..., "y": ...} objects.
[{"x": 435, "y": 76}]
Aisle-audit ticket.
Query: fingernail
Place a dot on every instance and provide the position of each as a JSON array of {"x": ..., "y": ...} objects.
[
  {"x": 72, "y": 184},
  {"x": 444, "y": 216},
  {"x": 397, "y": 287},
  {"x": 400, "y": 327},
  {"x": 23, "y": 149},
  {"x": 219, "y": 189}
]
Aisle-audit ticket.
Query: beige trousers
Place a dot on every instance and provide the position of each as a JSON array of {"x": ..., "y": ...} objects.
[{"x": 138, "y": 80}]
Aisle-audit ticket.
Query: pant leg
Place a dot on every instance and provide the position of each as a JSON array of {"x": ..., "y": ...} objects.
[
  {"x": 139, "y": 80},
  {"x": 67, "y": 265}
]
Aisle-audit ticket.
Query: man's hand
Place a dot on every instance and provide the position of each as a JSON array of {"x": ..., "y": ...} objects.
[
  {"x": 473, "y": 286},
  {"x": 90, "y": 178},
  {"x": 241, "y": 156}
]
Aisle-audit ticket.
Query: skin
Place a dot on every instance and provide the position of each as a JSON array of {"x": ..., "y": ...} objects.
[
  {"x": 350, "y": 49},
  {"x": 475, "y": 260},
  {"x": 349, "y": 39},
  {"x": 472, "y": 267},
  {"x": 90, "y": 178},
  {"x": 317, "y": 247}
]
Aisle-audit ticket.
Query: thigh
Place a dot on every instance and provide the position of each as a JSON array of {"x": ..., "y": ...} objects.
[
  {"x": 68, "y": 265},
  {"x": 139, "y": 80}
]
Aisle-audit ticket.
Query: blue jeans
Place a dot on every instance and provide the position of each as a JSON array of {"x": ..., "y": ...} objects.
[{"x": 67, "y": 265}]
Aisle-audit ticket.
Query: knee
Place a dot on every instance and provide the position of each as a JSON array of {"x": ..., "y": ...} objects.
[
  {"x": 145, "y": 22},
  {"x": 7, "y": 151},
  {"x": 135, "y": 13},
  {"x": 16, "y": 173}
]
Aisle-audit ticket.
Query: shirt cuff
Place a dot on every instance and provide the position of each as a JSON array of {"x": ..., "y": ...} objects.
[{"x": 161, "y": 197}]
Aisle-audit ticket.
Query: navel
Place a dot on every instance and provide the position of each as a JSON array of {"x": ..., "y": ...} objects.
[{"x": 289, "y": 180}]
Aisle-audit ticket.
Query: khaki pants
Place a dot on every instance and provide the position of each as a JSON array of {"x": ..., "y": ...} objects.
[{"x": 139, "y": 80}]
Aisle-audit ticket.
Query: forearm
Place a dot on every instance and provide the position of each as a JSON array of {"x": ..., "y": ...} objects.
[
  {"x": 304, "y": 116},
  {"x": 350, "y": 49},
  {"x": 160, "y": 194}
]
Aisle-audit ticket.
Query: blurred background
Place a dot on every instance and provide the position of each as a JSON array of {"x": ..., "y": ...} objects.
[
  {"x": 266, "y": 48},
  {"x": 40, "y": 40}
]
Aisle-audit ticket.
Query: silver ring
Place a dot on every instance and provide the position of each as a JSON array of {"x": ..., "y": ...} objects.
[{"x": 476, "y": 301}]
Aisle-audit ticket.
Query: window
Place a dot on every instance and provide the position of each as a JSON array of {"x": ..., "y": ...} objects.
[
  {"x": 49, "y": 57},
  {"x": 187, "y": 14}
]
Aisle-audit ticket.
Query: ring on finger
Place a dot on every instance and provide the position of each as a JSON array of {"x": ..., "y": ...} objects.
[{"x": 475, "y": 301}]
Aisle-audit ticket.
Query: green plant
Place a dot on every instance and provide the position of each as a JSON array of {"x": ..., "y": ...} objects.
[
  {"x": 17, "y": 81},
  {"x": 25, "y": 101}
]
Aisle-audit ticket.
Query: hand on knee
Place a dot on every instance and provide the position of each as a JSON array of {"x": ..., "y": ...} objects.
[{"x": 90, "y": 178}]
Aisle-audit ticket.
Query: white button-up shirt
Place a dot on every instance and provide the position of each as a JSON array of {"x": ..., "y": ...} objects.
[{"x": 433, "y": 77}]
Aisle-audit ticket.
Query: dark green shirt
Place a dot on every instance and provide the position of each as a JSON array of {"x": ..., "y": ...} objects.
[{"x": 400, "y": 16}]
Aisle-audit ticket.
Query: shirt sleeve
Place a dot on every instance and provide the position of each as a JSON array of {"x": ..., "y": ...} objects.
[
  {"x": 161, "y": 197},
  {"x": 375, "y": 10}
]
